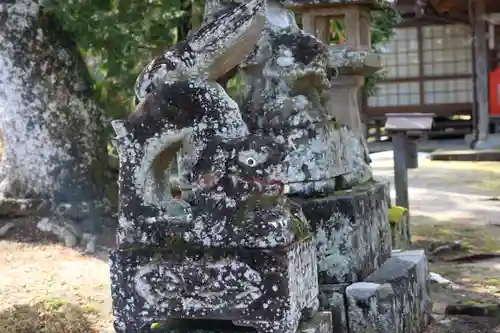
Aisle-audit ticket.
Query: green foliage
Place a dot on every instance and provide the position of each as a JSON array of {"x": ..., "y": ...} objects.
[
  {"x": 236, "y": 87},
  {"x": 119, "y": 37},
  {"x": 383, "y": 21}
]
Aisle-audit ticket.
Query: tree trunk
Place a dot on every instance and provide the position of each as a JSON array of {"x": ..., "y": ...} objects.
[{"x": 54, "y": 147}]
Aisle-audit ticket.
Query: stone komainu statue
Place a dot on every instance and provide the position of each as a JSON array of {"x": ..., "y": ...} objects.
[{"x": 233, "y": 248}]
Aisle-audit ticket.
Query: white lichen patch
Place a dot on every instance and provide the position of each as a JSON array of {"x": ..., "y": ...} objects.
[
  {"x": 51, "y": 130},
  {"x": 234, "y": 285}
]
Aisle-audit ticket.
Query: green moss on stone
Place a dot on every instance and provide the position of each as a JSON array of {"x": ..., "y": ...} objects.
[{"x": 396, "y": 214}]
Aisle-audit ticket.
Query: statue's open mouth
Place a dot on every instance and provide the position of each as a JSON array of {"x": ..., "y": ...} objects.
[{"x": 261, "y": 184}]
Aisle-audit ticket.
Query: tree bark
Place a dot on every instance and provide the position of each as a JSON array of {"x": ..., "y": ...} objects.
[{"x": 54, "y": 143}]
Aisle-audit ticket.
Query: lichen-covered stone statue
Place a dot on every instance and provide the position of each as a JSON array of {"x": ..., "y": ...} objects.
[
  {"x": 288, "y": 77},
  {"x": 233, "y": 247},
  {"x": 279, "y": 215}
]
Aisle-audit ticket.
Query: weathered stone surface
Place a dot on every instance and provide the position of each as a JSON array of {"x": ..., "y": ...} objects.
[
  {"x": 395, "y": 296},
  {"x": 350, "y": 61},
  {"x": 10, "y": 207},
  {"x": 357, "y": 157},
  {"x": 372, "y": 308},
  {"x": 320, "y": 323},
  {"x": 332, "y": 298},
  {"x": 287, "y": 76},
  {"x": 235, "y": 200},
  {"x": 351, "y": 66},
  {"x": 313, "y": 158},
  {"x": 268, "y": 290},
  {"x": 353, "y": 219},
  {"x": 233, "y": 190}
]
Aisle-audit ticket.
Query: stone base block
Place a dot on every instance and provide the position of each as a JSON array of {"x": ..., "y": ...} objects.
[
  {"x": 352, "y": 232},
  {"x": 332, "y": 298},
  {"x": 321, "y": 322},
  {"x": 371, "y": 308},
  {"x": 269, "y": 290},
  {"x": 395, "y": 298}
]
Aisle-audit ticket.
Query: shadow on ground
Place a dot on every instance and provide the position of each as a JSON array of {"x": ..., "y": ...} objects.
[{"x": 48, "y": 317}]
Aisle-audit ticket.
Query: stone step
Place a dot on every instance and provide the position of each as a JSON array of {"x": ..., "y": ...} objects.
[{"x": 394, "y": 299}]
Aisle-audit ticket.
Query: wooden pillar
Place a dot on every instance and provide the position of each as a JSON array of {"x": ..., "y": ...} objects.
[
  {"x": 481, "y": 66},
  {"x": 399, "y": 142}
]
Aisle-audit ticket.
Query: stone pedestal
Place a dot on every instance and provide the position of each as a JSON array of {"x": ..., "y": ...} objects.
[
  {"x": 352, "y": 232},
  {"x": 269, "y": 290},
  {"x": 353, "y": 66},
  {"x": 352, "y": 241},
  {"x": 343, "y": 100}
]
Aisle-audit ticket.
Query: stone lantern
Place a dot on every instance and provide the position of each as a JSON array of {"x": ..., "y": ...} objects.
[
  {"x": 353, "y": 61},
  {"x": 316, "y": 16}
]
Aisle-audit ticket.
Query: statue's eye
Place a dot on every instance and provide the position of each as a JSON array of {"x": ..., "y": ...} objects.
[{"x": 251, "y": 162}]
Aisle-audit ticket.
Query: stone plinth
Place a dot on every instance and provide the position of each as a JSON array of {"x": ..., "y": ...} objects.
[
  {"x": 269, "y": 290},
  {"x": 395, "y": 298},
  {"x": 352, "y": 232}
]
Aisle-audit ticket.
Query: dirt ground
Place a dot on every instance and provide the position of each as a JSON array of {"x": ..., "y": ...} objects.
[
  {"x": 455, "y": 215},
  {"x": 451, "y": 203}
]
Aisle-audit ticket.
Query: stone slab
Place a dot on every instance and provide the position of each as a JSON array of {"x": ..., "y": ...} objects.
[
  {"x": 470, "y": 155},
  {"x": 352, "y": 232},
  {"x": 395, "y": 298},
  {"x": 269, "y": 290},
  {"x": 371, "y": 308},
  {"x": 321, "y": 322},
  {"x": 332, "y": 298}
]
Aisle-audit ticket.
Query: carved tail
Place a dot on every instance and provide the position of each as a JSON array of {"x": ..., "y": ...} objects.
[{"x": 145, "y": 167}]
